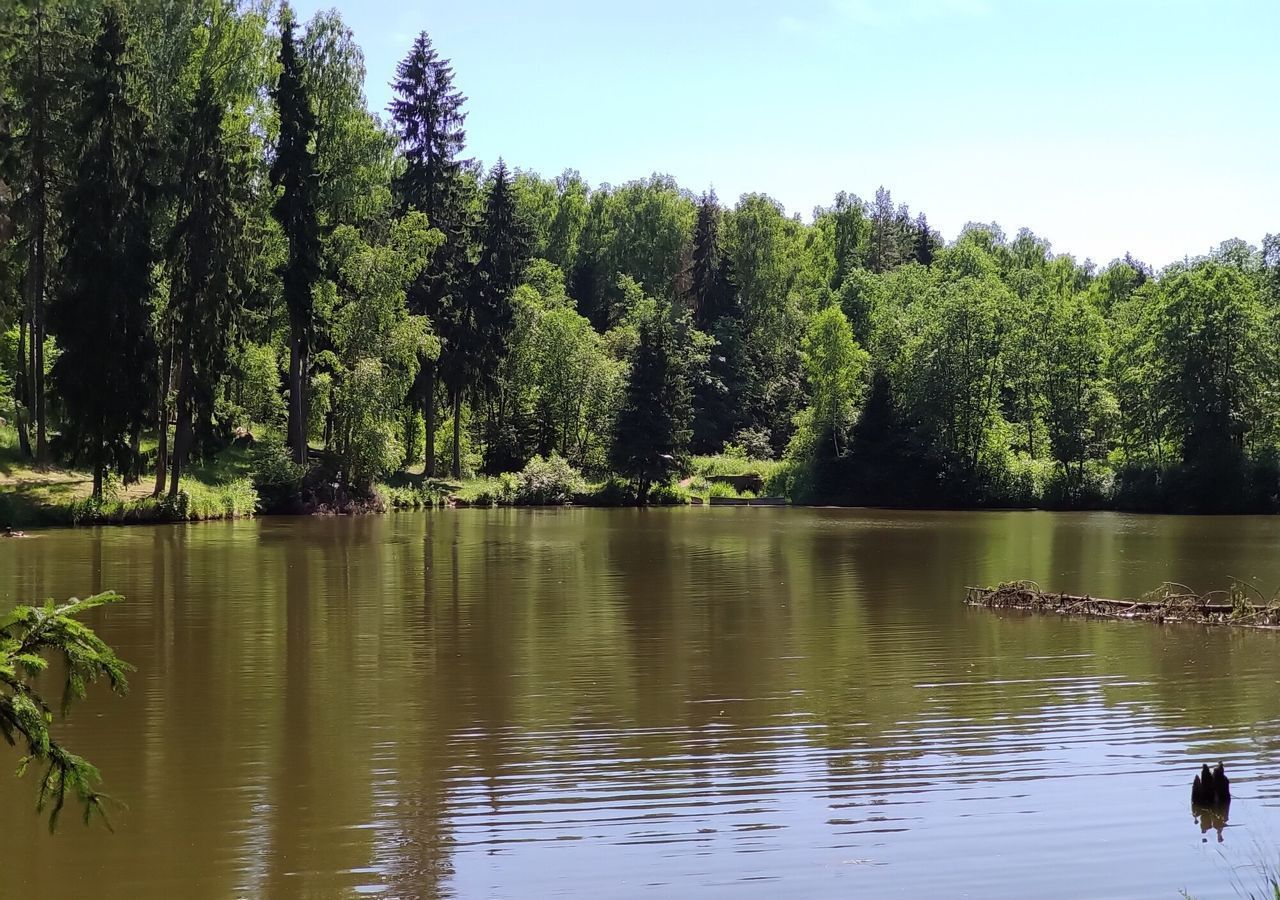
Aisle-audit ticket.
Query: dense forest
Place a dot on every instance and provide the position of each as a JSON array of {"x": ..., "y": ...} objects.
[{"x": 206, "y": 235}]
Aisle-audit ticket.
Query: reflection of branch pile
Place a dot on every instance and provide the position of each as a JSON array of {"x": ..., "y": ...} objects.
[{"x": 1171, "y": 602}]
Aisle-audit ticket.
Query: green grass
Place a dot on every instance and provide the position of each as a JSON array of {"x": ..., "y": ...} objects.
[
  {"x": 405, "y": 490},
  {"x": 31, "y": 496},
  {"x": 721, "y": 464}
]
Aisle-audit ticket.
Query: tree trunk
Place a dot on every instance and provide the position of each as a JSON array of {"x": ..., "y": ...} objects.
[
  {"x": 31, "y": 363},
  {"x": 306, "y": 400},
  {"x": 429, "y": 419},
  {"x": 457, "y": 434},
  {"x": 40, "y": 224},
  {"x": 297, "y": 425},
  {"x": 162, "y": 416},
  {"x": 182, "y": 433},
  {"x": 133, "y": 472},
  {"x": 24, "y": 395},
  {"x": 99, "y": 463}
]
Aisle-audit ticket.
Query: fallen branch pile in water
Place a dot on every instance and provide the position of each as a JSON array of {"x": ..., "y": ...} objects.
[{"x": 1168, "y": 603}]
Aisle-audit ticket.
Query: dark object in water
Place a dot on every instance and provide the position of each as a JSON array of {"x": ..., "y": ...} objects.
[
  {"x": 1202, "y": 788},
  {"x": 1211, "y": 788},
  {"x": 1211, "y": 818},
  {"x": 1221, "y": 785},
  {"x": 1169, "y": 603}
]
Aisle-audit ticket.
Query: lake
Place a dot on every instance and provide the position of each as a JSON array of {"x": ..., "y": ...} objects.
[{"x": 695, "y": 703}]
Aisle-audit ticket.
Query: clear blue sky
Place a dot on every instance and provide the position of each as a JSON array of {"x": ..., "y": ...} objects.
[{"x": 1103, "y": 125}]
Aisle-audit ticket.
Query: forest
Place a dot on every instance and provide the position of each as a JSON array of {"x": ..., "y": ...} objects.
[{"x": 209, "y": 241}]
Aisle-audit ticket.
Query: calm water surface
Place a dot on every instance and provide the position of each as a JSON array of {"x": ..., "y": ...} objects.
[{"x": 681, "y": 703}]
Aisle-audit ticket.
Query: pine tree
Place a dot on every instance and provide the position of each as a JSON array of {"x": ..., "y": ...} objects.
[
  {"x": 428, "y": 116},
  {"x": 651, "y": 435},
  {"x": 102, "y": 316},
  {"x": 208, "y": 261},
  {"x": 293, "y": 170}
]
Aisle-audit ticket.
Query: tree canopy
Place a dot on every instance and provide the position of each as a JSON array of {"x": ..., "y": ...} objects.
[{"x": 205, "y": 235}]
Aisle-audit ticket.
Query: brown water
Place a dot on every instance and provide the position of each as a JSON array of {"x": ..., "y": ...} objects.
[{"x": 688, "y": 703}]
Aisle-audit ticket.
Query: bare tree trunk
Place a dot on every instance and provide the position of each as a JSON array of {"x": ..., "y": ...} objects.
[
  {"x": 162, "y": 414},
  {"x": 457, "y": 434},
  {"x": 133, "y": 473},
  {"x": 31, "y": 363},
  {"x": 297, "y": 412},
  {"x": 306, "y": 400},
  {"x": 182, "y": 431},
  {"x": 40, "y": 227},
  {"x": 99, "y": 463},
  {"x": 429, "y": 418},
  {"x": 23, "y": 403}
]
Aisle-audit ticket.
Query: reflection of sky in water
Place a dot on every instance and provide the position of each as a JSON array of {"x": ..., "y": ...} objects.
[{"x": 671, "y": 703}]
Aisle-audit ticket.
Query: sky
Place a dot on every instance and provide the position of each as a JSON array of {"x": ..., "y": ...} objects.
[{"x": 1105, "y": 126}]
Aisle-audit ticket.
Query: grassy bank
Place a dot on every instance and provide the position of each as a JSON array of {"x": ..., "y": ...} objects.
[
  {"x": 53, "y": 495},
  {"x": 223, "y": 488},
  {"x": 553, "y": 483}
]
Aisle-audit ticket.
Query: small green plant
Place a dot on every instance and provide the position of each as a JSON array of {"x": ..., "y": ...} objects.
[
  {"x": 275, "y": 476},
  {"x": 614, "y": 492},
  {"x": 722, "y": 489},
  {"x": 667, "y": 495},
  {"x": 547, "y": 482},
  {"x": 174, "y": 507}
]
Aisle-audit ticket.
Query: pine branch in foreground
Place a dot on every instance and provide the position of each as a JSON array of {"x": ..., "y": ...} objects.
[{"x": 30, "y": 637}]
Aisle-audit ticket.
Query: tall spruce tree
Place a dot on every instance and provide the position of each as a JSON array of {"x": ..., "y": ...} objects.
[
  {"x": 927, "y": 242},
  {"x": 428, "y": 115},
  {"x": 651, "y": 435},
  {"x": 710, "y": 288},
  {"x": 206, "y": 284},
  {"x": 483, "y": 327},
  {"x": 102, "y": 315},
  {"x": 883, "y": 254},
  {"x": 36, "y": 67},
  {"x": 713, "y": 300},
  {"x": 294, "y": 172}
]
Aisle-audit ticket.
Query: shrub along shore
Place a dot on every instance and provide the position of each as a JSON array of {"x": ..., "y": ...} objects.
[{"x": 241, "y": 483}]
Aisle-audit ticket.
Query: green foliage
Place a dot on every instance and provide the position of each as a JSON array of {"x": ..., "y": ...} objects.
[
  {"x": 547, "y": 482},
  {"x": 252, "y": 253},
  {"x": 256, "y": 369},
  {"x": 29, "y": 637},
  {"x": 275, "y": 474},
  {"x": 834, "y": 366},
  {"x": 102, "y": 315},
  {"x": 293, "y": 173},
  {"x": 733, "y": 464},
  {"x": 652, "y": 433},
  {"x": 724, "y": 489},
  {"x": 353, "y": 153},
  {"x": 666, "y": 495},
  {"x": 377, "y": 345}
]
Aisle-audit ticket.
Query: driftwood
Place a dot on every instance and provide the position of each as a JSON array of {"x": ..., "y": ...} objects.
[{"x": 1168, "y": 603}]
